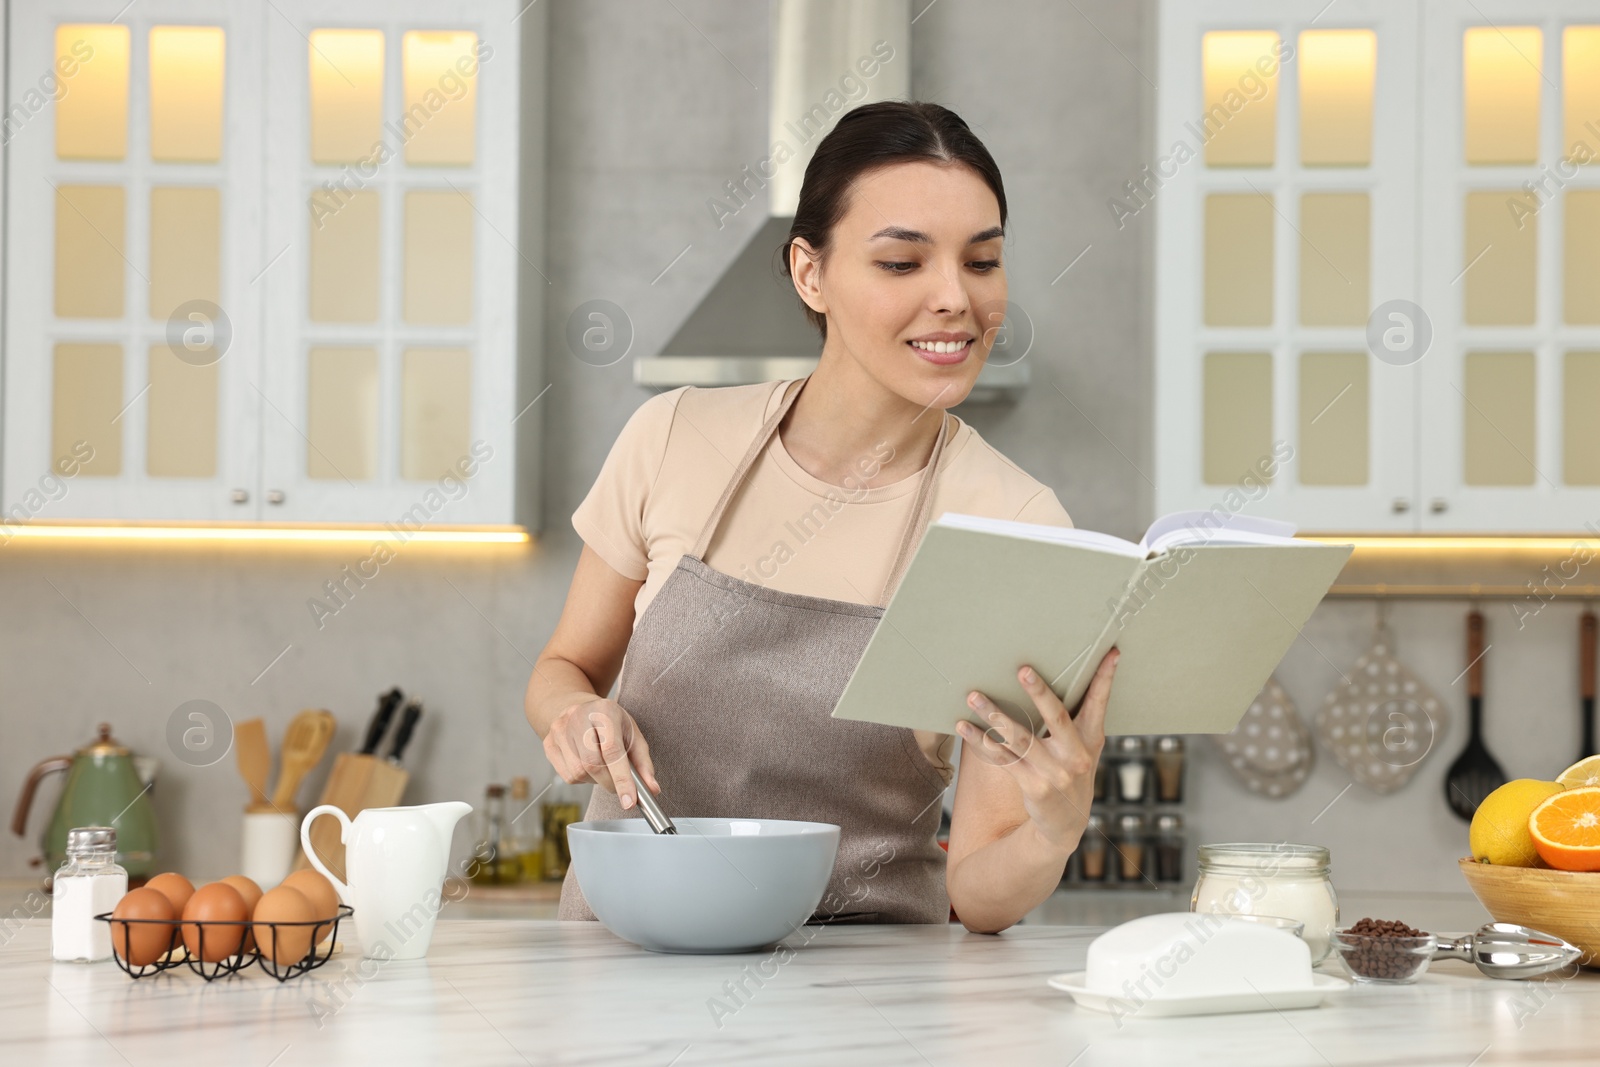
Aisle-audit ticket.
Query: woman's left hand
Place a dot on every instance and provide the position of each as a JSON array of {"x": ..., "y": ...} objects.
[{"x": 1054, "y": 773}]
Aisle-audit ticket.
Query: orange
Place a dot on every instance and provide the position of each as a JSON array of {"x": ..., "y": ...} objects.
[{"x": 1566, "y": 829}]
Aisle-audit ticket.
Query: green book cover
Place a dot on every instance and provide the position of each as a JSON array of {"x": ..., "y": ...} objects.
[{"x": 1202, "y": 614}]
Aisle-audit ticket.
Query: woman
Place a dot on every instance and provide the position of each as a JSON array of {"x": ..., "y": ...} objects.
[{"x": 740, "y": 543}]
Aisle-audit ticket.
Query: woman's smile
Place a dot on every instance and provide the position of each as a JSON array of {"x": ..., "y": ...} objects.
[{"x": 944, "y": 349}]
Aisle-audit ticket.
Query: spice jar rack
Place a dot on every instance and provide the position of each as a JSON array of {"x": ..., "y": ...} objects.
[{"x": 1135, "y": 838}]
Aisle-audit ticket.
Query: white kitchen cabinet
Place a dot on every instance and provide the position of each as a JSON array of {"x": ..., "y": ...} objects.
[
  {"x": 337, "y": 184},
  {"x": 1511, "y": 420},
  {"x": 1342, "y": 184},
  {"x": 394, "y": 307},
  {"x": 133, "y": 187}
]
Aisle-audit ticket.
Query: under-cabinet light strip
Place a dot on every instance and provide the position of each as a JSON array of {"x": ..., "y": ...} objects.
[
  {"x": 497, "y": 536},
  {"x": 1463, "y": 543},
  {"x": 518, "y": 535}
]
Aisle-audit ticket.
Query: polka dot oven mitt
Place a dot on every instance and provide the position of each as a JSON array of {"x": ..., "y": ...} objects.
[
  {"x": 1382, "y": 720},
  {"x": 1270, "y": 751}
]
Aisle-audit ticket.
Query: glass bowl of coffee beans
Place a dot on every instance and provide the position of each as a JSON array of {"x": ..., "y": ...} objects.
[{"x": 1384, "y": 950}]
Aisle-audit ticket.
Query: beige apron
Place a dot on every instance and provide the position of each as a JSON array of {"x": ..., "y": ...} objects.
[{"x": 734, "y": 684}]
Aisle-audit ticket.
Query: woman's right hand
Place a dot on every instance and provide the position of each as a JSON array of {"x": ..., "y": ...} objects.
[{"x": 593, "y": 741}]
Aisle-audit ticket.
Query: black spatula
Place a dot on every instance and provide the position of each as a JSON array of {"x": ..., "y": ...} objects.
[
  {"x": 1474, "y": 774},
  {"x": 1586, "y": 656}
]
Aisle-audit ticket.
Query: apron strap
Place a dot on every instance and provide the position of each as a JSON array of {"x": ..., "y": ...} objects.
[
  {"x": 740, "y": 472},
  {"x": 921, "y": 507},
  {"x": 921, "y": 512}
]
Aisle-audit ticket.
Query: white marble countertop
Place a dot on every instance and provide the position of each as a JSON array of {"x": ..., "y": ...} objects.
[
  {"x": 1075, "y": 906},
  {"x": 545, "y": 992}
]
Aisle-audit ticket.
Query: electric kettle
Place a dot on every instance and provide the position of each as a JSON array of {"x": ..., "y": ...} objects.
[{"x": 106, "y": 786}]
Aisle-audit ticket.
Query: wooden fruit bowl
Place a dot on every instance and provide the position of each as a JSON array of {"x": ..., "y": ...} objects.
[{"x": 1564, "y": 903}]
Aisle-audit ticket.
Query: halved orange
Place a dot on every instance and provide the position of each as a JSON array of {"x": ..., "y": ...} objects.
[
  {"x": 1585, "y": 772},
  {"x": 1566, "y": 829}
]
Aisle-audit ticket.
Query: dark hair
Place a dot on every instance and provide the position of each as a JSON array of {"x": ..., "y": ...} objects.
[{"x": 871, "y": 136}]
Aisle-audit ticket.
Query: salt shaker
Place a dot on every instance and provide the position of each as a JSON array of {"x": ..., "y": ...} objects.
[{"x": 89, "y": 883}]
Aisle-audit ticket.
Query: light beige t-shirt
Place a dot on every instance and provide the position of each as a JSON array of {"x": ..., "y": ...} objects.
[{"x": 786, "y": 529}]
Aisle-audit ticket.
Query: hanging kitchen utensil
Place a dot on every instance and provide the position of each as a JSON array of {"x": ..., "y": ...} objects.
[
  {"x": 255, "y": 760},
  {"x": 1586, "y": 670},
  {"x": 1270, "y": 751},
  {"x": 1474, "y": 774},
  {"x": 1381, "y": 721},
  {"x": 303, "y": 745}
]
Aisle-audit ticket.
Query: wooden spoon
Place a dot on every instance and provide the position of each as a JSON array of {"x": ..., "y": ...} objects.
[
  {"x": 255, "y": 760},
  {"x": 303, "y": 745}
]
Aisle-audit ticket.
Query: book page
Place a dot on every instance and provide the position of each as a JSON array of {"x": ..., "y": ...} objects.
[
  {"x": 1210, "y": 528},
  {"x": 1032, "y": 531}
]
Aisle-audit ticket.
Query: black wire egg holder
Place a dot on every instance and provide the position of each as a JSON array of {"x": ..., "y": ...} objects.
[{"x": 178, "y": 954}]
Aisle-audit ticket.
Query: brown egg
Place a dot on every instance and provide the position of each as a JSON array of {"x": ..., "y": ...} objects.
[
  {"x": 175, "y": 887},
  {"x": 285, "y": 944},
  {"x": 142, "y": 943},
  {"x": 252, "y": 896},
  {"x": 320, "y": 892},
  {"x": 221, "y": 907}
]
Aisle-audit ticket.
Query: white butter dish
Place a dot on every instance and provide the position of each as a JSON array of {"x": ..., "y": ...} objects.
[
  {"x": 1188, "y": 963},
  {"x": 1213, "y": 1004}
]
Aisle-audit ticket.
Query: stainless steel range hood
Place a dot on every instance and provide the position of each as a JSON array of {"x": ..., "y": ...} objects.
[{"x": 827, "y": 57}]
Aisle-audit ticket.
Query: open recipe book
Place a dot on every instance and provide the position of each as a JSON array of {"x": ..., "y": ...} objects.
[{"x": 1203, "y": 608}]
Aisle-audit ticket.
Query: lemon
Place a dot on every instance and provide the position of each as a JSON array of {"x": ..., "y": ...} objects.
[
  {"x": 1584, "y": 772},
  {"x": 1499, "y": 831}
]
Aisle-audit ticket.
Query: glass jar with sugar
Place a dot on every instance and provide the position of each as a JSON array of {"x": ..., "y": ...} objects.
[{"x": 1272, "y": 878}]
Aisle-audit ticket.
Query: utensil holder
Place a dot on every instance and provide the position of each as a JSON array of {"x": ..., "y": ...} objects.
[{"x": 268, "y": 843}]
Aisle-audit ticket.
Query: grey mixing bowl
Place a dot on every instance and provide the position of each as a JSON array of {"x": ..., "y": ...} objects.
[{"x": 717, "y": 885}]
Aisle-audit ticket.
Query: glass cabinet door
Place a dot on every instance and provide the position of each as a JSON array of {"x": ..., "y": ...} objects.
[
  {"x": 1284, "y": 186},
  {"x": 133, "y": 205},
  {"x": 1511, "y": 159},
  {"x": 390, "y": 358},
  {"x": 263, "y": 261}
]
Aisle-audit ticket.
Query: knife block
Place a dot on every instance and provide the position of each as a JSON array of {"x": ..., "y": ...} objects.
[{"x": 356, "y": 782}]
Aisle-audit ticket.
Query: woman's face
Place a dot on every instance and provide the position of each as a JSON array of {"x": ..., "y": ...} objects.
[{"x": 914, "y": 284}]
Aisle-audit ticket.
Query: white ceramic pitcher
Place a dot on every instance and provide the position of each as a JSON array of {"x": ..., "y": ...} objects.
[{"x": 396, "y": 860}]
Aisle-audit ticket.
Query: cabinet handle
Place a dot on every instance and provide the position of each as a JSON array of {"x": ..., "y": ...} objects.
[
  {"x": 1438, "y": 504},
  {"x": 240, "y": 496},
  {"x": 1400, "y": 505},
  {"x": 274, "y": 496}
]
